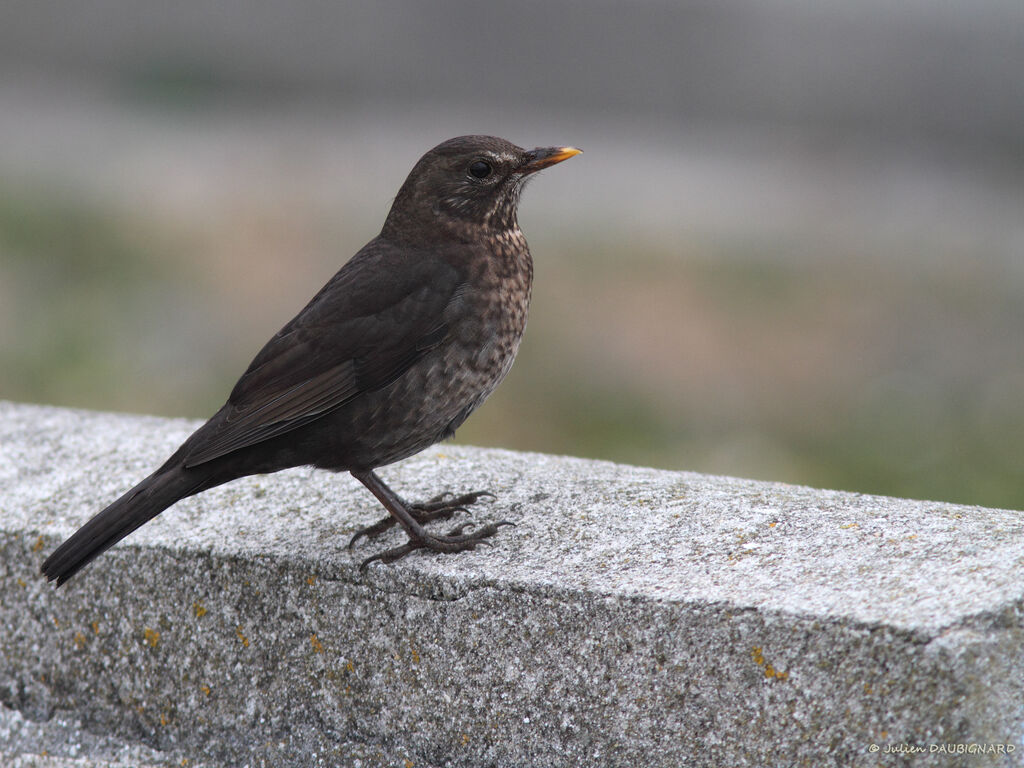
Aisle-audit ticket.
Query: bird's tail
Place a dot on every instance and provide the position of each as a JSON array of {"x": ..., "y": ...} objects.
[{"x": 142, "y": 503}]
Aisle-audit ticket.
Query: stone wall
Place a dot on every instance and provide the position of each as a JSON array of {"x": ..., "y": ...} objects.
[{"x": 631, "y": 617}]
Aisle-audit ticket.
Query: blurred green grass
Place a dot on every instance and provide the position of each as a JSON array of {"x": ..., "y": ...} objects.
[
  {"x": 863, "y": 373},
  {"x": 60, "y": 313}
]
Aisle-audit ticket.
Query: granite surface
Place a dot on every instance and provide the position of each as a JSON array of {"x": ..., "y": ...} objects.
[{"x": 631, "y": 617}]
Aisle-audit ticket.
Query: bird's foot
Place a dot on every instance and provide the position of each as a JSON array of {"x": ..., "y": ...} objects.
[
  {"x": 454, "y": 541},
  {"x": 441, "y": 507}
]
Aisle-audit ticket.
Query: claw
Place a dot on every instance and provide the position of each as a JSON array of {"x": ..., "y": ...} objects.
[
  {"x": 391, "y": 555},
  {"x": 458, "y": 530},
  {"x": 372, "y": 531}
]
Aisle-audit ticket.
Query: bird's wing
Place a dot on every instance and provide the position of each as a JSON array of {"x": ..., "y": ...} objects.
[{"x": 376, "y": 317}]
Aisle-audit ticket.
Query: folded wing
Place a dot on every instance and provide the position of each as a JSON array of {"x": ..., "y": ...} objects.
[{"x": 376, "y": 317}]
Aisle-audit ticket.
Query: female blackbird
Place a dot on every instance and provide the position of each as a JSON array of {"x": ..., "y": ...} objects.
[{"x": 390, "y": 357}]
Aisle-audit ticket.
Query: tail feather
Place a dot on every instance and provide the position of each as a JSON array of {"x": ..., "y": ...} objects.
[{"x": 139, "y": 505}]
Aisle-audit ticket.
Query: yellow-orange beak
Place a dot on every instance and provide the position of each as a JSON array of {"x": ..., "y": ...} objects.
[{"x": 542, "y": 157}]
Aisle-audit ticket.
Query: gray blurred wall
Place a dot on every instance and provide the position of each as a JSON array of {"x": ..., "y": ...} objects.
[{"x": 947, "y": 71}]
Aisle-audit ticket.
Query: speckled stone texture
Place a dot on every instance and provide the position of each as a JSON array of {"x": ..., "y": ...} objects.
[{"x": 633, "y": 617}]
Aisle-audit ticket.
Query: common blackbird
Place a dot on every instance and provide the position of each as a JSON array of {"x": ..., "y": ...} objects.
[{"x": 390, "y": 357}]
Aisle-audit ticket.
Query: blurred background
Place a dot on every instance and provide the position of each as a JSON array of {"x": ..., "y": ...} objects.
[{"x": 793, "y": 249}]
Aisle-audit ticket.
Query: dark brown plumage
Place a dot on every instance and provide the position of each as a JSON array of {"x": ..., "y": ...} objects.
[{"x": 391, "y": 356}]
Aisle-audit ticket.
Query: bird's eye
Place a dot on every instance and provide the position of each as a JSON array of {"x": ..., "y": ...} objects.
[{"x": 480, "y": 169}]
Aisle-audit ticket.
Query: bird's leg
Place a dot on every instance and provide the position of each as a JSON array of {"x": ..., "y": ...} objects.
[{"x": 412, "y": 521}]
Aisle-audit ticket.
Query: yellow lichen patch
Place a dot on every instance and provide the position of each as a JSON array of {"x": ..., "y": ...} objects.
[
  {"x": 56, "y": 623},
  {"x": 95, "y": 627},
  {"x": 151, "y": 636},
  {"x": 769, "y": 671},
  {"x": 198, "y": 609},
  {"x": 163, "y": 719},
  {"x": 465, "y": 739},
  {"x": 40, "y": 543},
  {"x": 350, "y": 666},
  {"x": 241, "y": 636},
  {"x": 311, "y": 580},
  {"x": 21, "y": 583},
  {"x": 315, "y": 642},
  {"x": 849, "y": 526},
  {"x": 205, "y": 689},
  {"x": 415, "y": 653},
  {"x": 409, "y": 764},
  {"x": 79, "y": 640}
]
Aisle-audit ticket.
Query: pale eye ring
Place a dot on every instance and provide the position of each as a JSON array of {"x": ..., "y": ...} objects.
[{"x": 480, "y": 169}]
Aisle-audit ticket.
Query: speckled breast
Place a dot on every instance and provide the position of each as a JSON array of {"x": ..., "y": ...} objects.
[{"x": 432, "y": 399}]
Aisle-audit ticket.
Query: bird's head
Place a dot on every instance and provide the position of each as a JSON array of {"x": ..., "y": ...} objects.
[{"x": 464, "y": 184}]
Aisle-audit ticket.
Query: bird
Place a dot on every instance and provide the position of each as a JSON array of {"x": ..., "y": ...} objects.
[{"x": 391, "y": 356}]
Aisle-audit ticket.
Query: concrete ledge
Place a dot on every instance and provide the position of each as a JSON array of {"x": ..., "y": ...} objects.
[{"x": 633, "y": 617}]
